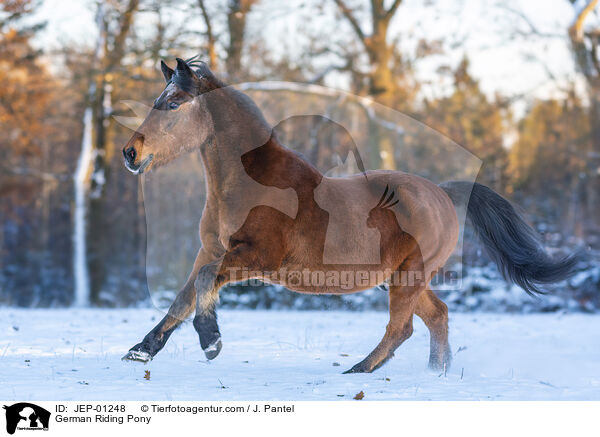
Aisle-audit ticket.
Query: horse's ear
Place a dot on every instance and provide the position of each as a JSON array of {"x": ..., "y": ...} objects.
[
  {"x": 183, "y": 68},
  {"x": 166, "y": 71}
]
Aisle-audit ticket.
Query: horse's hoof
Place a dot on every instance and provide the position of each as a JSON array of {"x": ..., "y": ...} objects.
[
  {"x": 367, "y": 365},
  {"x": 441, "y": 364},
  {"x": 357, "y": 368},
  {"x": 213, "y": 350},
  {"x": 141, "y": 356}
]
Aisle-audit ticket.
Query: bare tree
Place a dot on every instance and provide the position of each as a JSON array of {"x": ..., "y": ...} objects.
[
  {"x": 110, "y": 58},
  {"x": 584, "y": 38},
  {"x": 114, "y": 25},
  {"x": 377, "y": 48},
  {"x": 236, "y": 24},
  {"x": 236, "y": 13},
  {"x": 211, "y": 41},
  {"x": 584, "y": 43}
]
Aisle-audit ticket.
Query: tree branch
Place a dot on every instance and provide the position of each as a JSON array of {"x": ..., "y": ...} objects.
[
  {"x": 532, "y": 27},
  {"x": 119, "y": 42},
  {"x": 392, "y": 10},
  {"x": 576, "y": 29},
  {"x": 585, "y": 60},
  {"x": 209, "y": 34},
  {"x": 347, "y": 12}
]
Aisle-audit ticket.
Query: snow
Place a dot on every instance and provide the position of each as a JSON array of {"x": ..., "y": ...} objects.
[{"x": 74, "y": 354}]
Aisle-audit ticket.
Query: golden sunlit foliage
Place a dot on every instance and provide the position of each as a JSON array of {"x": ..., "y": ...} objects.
[
  {"x": 551, "y": 145},
  {"x": 26, "y": 89},
  {"x": 474, "y": 121},
  {"x": 24, "y": 95}
]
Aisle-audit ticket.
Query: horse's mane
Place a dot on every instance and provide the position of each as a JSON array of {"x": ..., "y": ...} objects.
[
  {"x": 240, "y": 100},
  {"x": 202, "y": 71}
]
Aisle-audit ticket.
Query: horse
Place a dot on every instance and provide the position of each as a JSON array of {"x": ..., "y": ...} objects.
[{"x": 270, "y": 214}]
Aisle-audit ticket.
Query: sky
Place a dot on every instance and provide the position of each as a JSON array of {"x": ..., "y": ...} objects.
[{"x": 485, "y": 30}]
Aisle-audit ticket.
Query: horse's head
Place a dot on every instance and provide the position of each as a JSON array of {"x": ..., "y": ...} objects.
[{"x": 179, "y": 119}]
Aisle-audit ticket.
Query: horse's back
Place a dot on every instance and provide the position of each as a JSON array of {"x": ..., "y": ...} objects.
[{"x": 423, "y": 210}]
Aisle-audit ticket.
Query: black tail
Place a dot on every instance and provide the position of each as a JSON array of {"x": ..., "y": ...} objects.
[{"x": 511, "y": 243}]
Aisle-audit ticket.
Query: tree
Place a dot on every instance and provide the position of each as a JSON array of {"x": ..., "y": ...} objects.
[
  {"x": 35, "y": 151},
  {"x": 236, "y": 24},
  {"x": 114, "y": 24},
  {"x": 585, "y": 42},
  {"x": 388, "y": 75},
  {"x": 548, "y": 160},
  {"x": 236, "y": 15},
  {"x": 211, "y": 41},
  {"x": 472, "y": 120},
  {"x": 26, "y": 86},
  {"x": 376, "y": 45},
  {"x": 583, "y": 36}
]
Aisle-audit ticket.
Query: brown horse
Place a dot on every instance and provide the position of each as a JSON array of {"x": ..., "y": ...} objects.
[{"x": 270, "y": 214}]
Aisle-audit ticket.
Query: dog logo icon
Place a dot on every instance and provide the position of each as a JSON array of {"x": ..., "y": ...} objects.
[{"x": 26, "y": 416}]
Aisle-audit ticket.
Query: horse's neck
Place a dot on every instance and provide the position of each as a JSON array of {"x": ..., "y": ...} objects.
[
  {"x": 234, "y": 134},
  {"x": 244, "y": 146},
  {"x": 274, "y": 165},
  {"x": 228, "y": 167}
]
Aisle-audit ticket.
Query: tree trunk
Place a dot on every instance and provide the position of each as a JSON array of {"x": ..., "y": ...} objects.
[
  {"x": 210, "y": 37},
  {"x": 100, "y": 212},
  {"x": 236, "y": 24},
  {"x": 593, "y": 184},
  {"x": 584, "y": 45},
  {"x": 381, "y": 80},
  {"x": 381, "y": 83}
]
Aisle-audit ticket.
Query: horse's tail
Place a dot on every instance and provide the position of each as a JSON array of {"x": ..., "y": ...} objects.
[{"x": 511, "y": 243}]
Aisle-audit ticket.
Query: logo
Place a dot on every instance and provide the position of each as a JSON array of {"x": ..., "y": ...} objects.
[{"x": 25, "y": 416}]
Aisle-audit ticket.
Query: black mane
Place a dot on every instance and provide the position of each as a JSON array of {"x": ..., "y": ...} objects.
[{"x": 201, "y": 70}]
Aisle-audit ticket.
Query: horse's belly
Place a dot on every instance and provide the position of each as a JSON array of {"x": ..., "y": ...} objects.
[{"x": 330, "y": 279}]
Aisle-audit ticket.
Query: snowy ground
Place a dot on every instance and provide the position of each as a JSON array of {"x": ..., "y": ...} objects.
[{"x": 268, "y": 355}]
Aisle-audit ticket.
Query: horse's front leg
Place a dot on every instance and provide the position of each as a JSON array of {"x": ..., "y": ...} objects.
[
  {"x": 207, "y": 287},
  {"x": 180, "y": 309},
  {"x": 258, "y": 255}
]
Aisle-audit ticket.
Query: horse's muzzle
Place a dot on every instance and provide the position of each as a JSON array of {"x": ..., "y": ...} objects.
[
  {"x": 131, "y": 154},
  {"x": 139, "y": 168}
]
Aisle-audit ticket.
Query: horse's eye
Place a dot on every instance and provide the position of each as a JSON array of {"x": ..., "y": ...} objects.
[{"x": 173, "y": 105}]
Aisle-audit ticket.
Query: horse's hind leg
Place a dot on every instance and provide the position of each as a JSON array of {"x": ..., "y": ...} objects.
[
  {"x": 403, "y": 300},
  {"x": 434, "y": 313},
  {"x": 180, "y": 309}
]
